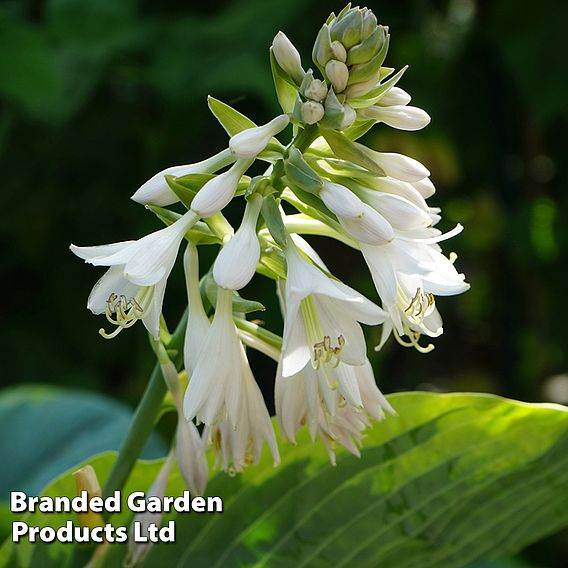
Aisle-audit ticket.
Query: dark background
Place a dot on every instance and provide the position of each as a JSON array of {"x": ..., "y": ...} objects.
[{"x": 97, "y": 96}]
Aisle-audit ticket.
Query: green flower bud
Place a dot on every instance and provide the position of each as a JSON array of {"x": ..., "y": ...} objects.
[
  {"x": 369, "y": 23},
  {"x": 347, "y": 29},
  {"x": 366, "y": 71},
  {"x": 338, "y": 74},
  {"x": 322, "y": 51},
  {"x": 313, "y": 89},
  {"x": 312, "y": 112},
  {"x": 339, "y": 52},
  {"x": 363, "y": 52},
  {"x": 288, "y": 57}
]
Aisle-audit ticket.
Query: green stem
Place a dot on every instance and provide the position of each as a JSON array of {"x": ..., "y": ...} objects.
[{"x": 306, "y": 137}]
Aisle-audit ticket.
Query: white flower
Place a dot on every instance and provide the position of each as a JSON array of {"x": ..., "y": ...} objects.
[
  {"x": 251, "y": 142},
  {"x": 197, "y": 320},
  {"x": 218, "y": 191},
  {"x": 156, "y": 190},
  {"x": 190, "y": 455},
  {"x": 215, "y": 385},
  {"x": 335, "y": 404},
  {"x": 425, "y": 187},
  {"x": 395, "y": 96},
  {"x": 358, "y": 219},
  {"x": 321, "y": 318},
  {"x": 236, "y": 263},
  {"x": 408, "y": 274},
  {"x": 398, "y": 116},
  {"x": 288, "y": 57},
  {"x": 241, "y": 445},
  {"x": 133, "y": 288},
  {"x": 137, "y": 551}
]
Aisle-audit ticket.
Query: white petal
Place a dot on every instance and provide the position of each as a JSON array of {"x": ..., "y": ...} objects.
[
  {"x": 112, "y": 282},
  {"x": 371, "y": 228},
  {"x": 100, "y": 253},
  {"x": 251, "y": 142},
  {"x": 401, "y": 167},
  {"x": 341, "y": 201}
]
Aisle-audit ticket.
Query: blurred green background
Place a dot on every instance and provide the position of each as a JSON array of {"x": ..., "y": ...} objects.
[{"x": 97, "y": 96}]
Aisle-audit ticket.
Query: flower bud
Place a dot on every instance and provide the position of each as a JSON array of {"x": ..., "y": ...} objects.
[
  {"x": 425, "y": 187},
  {"x": 219, "y": 191},
  {"x": 398, "y": 116},
  {"x": 312, "y": 112},
  {"x": 349, "y": 117},
  {"x": 322, "y": 51},
  {"x": 236, "y": 263},
  {"x": 156, "y": 190},
  {"x": 401, "y": 167},
  {"x": 252, "y": 141},
  {"x": 288, "y": 57},
  {"x": 341, "y": 201},
  {"x": 371, "y": 228},
  {"x": 365, "y": 51},
  {"x": 394, "y": 96},
  {"x": 347, "y": 28},
  {"x": 339, "y": 52},
  {"x": 360, "y": 89},
  {"x": 86, "y": 480},
  {"x": 338, "y": 74},
  {"x": 313, "y": 89}
]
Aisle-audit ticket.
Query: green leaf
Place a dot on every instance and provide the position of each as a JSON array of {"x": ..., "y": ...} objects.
[
  {"x": 234, "y": 122},
  {"x": 52, "y": 429},
  {"x": 273, "y": 219},
  {"x": 286, "y": 91},
  {"x": 300, "y": 174},
  {"x": 454, "y": 479},
  {"x": 351, "y": 151},
  {"x": 373, "y": 96}
]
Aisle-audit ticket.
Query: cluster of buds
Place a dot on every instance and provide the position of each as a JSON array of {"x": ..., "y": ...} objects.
[
  {"x": 355, "y": 90},
  {"x": 374, "y": 202}
]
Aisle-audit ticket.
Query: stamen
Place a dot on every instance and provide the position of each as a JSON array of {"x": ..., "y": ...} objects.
[
  {"x": 126, "y": 313},
  {"x": 325, "y": 354},
  {"x": 421, "y": 306}
]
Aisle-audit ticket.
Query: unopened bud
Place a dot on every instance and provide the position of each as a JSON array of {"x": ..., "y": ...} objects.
[
  {"x": 363, "y": 52},
  {"x": 347, "y": 29},
  {"x": 370, "y": 228},
  {"x": 313, "y": 89},
  {"x": 339, "y": 52},
  {"x": 399, "y": 116},
  {"x": 322, "y": 51},
  {"x": 252, "y": 141},
  {"x": 236, "y": 263},
  {"x": 86, "y": 480},
  {"x": 341, "y": 201},
  {"x": 219, "y": 191},
  {"x": 401, "y": 167},
  {"x": 394, "y": 96},
  {"x": 312, "y": 112},
  {"x": 288, "y": 57},
  {"x": 349, "y": 117},
  {"x": 338, "y": 74}
]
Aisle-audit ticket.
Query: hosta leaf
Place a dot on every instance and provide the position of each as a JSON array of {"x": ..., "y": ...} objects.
[{"x": 453, "y": 480}]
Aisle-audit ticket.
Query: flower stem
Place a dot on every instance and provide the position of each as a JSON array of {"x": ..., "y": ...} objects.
[{"x": 305, "y": 137}]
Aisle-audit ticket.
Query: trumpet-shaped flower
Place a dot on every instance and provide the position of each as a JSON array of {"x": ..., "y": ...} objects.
[
  {"x": 336, "y": 404},
  {"x": 241, "y": 445},
  {"x": 408, "y": 274},
  {"x": 249, "y": 143},
  {"x": 236, "y": 263},
  {"x": 133, "y": 288},
  {"x": 322, "y": 318}
]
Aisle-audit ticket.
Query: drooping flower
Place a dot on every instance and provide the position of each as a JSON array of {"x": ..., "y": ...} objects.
[
  {"x": 408, "y": 274},
  {"x": 236, "y": 263},
  {"x": 322, "y": 318},
  {"x": 133, "y": 288},
  {"x": 241, "y": 445}
]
